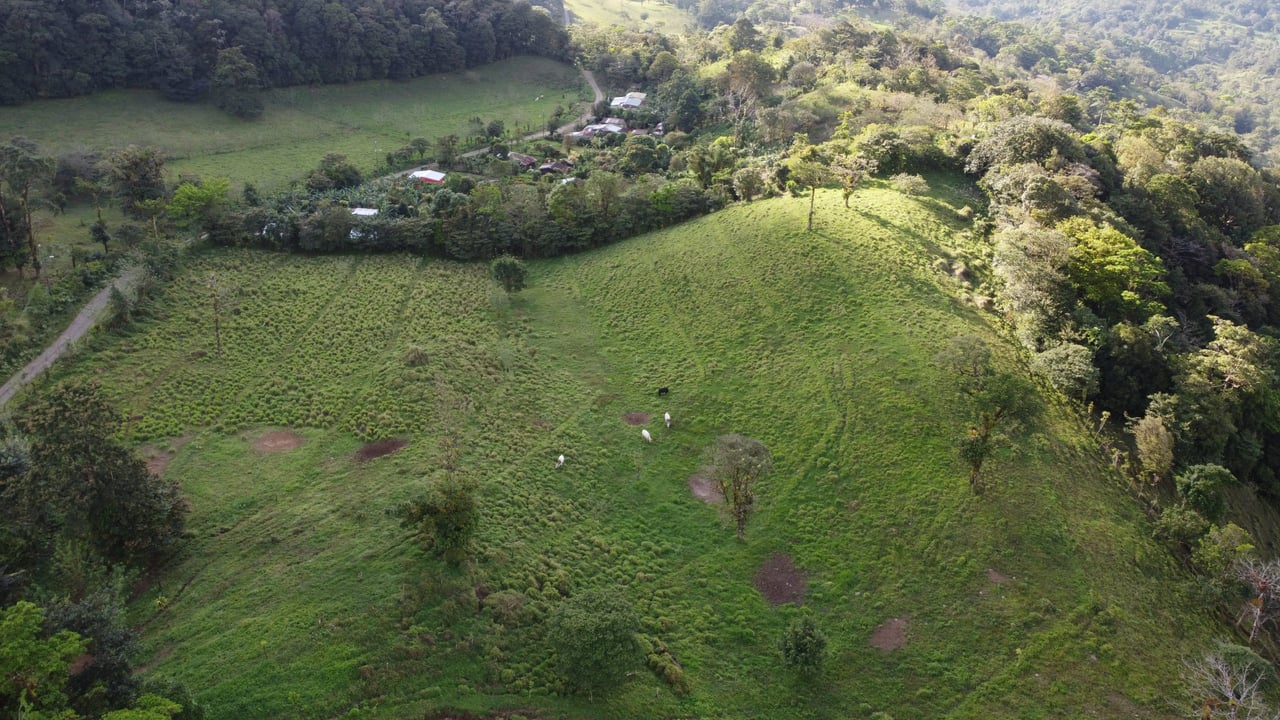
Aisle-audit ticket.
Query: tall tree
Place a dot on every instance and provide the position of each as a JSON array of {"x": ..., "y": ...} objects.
[
  {"x": 737, "y": 465},
  {"x": 23, "y": 169},
  {"x": 85, "y": 483},
  {"x": 137, "y": 174}
]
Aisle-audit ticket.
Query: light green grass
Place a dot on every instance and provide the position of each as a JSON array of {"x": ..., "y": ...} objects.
[
  {"x": 655, "y": 15},
  {"x": 364, "y": 121},
  {"x": 297, "y": 596}
]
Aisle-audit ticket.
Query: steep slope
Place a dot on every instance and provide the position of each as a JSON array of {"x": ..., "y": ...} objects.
[{"x": 298, "y": 597}]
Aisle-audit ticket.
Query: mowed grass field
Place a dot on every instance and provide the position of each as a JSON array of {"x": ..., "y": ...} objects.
[
  {"x": 364, "y": 120},
  {"x": 298, "y": 597}
]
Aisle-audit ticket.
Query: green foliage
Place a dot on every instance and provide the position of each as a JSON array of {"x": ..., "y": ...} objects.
[
  {"x": 804, "y": 646},
  {"x": 33, "y": 668},
  {"x": 1201, "y": 487},
  {"x": 510, "y": 272},
  {"x": 737, "y": 465},
  {"x": 1025, "y": 139},
  {"x": 197, "y": 206},
  {"x": 593, "y": 635},
  {"x": 1069, "y": 368},
  {"x": 1218, "y": 552},
  {"x": 445, "y": 519},
  {"x": 1112, "y": 272},
  {"x": 85, "y": 483},
  {"x": 137, "y": 176},
  {"x": 1180, "y": 526}
]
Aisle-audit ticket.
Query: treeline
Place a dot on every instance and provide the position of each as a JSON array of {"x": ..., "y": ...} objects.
[
  {"x": 189, "y": 49},
  {"x": 468, "y": 221}
]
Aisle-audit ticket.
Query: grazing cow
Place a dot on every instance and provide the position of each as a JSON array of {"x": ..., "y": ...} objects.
[
  {"x": 560, "y": 461},
  {"x": 647, "y": 437},
  {"x": 667, "y": 417},
  {"x": 663, "y": 391}
]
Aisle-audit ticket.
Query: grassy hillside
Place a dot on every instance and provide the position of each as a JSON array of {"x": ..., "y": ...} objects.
[
  {"x": 658, "y": 16},
  {"x": 298, "y": 597},
  {"x": 362, "y": 120}
]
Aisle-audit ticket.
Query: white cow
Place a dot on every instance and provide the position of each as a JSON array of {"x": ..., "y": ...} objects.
[
  {"x": 646, "y": 435},
  {"x": 560, "y": 461},
  {"x": 667, "y": 417}
]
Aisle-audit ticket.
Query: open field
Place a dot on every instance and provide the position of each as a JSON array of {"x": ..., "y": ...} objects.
[
  {"x": 299, "y": 598},
  {"x": 362, "y": 120},
  {"x": 659, "y": 16}
]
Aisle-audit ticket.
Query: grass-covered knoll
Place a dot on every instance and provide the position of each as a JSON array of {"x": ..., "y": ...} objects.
[
  {"x": 655, "y": 15},
  {"x": 298, "y": 597},
  {"x": 361, "y": 120}
]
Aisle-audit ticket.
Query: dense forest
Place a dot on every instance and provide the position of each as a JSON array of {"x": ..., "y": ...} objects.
[
  {"x": 190, "y": 49},
  {"x": 1215, "y": 58}
]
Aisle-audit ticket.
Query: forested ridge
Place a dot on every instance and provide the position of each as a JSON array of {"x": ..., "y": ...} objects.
[
  {"x": 187, "y": 49},
  {"x": 1215, "y": 58}
]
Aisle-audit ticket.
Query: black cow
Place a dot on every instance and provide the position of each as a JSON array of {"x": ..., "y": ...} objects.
[{"x": 663, "y": 391}]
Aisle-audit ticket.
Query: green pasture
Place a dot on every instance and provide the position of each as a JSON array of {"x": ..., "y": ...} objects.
[
  {"x": 298, "y": 597},
  {"x": 361, "y": 120},
  {"x": 655, "y": 15}
]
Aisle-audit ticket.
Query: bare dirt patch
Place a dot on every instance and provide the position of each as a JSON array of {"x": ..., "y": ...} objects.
[
  {"x": 996, "y": 576},
  {"x": 378, "y": 448},
  {"x": 891, "y": 635},
  {"x": 705, "y": 490},
  {"x": 780, "y": 581},
  {"x": 158, "y": 458},
  {"x": 636, "y": 418},
  {"x": 278, "y": 441}
]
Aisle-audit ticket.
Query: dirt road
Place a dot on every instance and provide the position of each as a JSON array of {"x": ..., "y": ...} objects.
[{"x": 90, "y": 315}]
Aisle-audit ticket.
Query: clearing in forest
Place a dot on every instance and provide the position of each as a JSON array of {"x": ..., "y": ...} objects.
[
  {"x": 300, "y": 596},
  {"x": 363, "y": 121}
]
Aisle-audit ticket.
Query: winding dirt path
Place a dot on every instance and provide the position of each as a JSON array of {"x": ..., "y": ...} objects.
[{"x": 90, "y": 315}]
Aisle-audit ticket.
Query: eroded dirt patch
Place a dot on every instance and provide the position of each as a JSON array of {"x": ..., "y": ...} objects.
[
  {"x": 278, "y": 441},
  {"x": 891, "y": 635},
  {"x": 158, "y": 458},
  {"x": 636, "y": 418},
  {"x": 780, "y": 581},
  {"x": 705, "y": 489},
  {"x": 996, "y": 576},
  {"x": 378, "y": 448}
]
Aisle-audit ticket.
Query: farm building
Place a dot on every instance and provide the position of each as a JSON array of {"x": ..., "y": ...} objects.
[
  {"x": 434, "y": 177},
  {"x": 526, "y": 162},
  {"x": 364, "y": 212},
  {"x": 630, "y": 101}
]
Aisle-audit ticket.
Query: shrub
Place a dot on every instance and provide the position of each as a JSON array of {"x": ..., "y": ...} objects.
[
  {"x": 909, "y": 184},
  {"x": 1180, "y": 526},
  {"x": 1200, "y": 487},
  {"x": 510, "y": 272},
  {"x": 803, "y": 646},
  {"x": 594, "y": 638}
]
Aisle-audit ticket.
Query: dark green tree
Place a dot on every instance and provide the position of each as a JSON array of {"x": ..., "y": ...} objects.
[
  {"x": 804, "y": 646},
  {"x": 593, "y": 635},
  {"x": 86, "y": 484},
  {"x": 445, "y": 519},
  {"x": 137, "y": 175},
  {"x": 236, "y": 84},
  {"x": 510, "y": 273}
]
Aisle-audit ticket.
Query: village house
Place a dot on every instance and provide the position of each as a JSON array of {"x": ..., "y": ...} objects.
[{"x": 435, "y": 177}]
